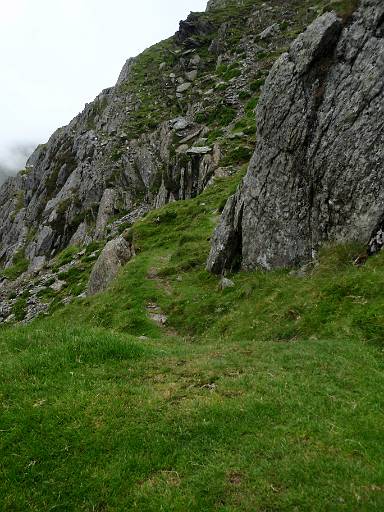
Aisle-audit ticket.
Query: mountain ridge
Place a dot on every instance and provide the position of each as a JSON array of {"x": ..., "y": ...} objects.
[{"x": 180, "y": 116}]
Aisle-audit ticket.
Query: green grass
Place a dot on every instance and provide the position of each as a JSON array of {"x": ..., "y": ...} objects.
[
  {"x": 19, "y": 309},
  {"x": 221, "y": 115},
  {"x": 18, "y": 267},
  {"x": 266, "y": 396}
]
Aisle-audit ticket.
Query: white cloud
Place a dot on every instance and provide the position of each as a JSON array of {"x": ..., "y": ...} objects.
[{"x": 56, "y": 55}]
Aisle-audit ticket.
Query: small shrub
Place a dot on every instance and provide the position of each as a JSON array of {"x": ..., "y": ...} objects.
[
  {"x": 237, "y": 155},
  {"x": 222, "y": 115},
  {"x": 116, "y": 154},
  {"x": 244, "y": 95},
  {"x": 166, "y": 217},
  {"x": 19, "y": 309},
  {"x": 65, "y": 256},
  {"x": 251, "y": 105},
  {"x": 231, "y": 73},
  {"x": 213, "y": 135},
  {"x": 222, "y": 87}
]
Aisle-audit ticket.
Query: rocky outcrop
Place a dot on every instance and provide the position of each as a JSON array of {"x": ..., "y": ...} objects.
[
  {"x": 46, "y": 285},
  {"x": 75, "y": 184},
  {"x": 115, "y": 254},
  {"x": 161, "y": 134},
  {"x": 317, "y": 172}
]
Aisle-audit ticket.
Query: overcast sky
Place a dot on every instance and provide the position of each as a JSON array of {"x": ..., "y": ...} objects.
[{"x": 57, "y": 55}]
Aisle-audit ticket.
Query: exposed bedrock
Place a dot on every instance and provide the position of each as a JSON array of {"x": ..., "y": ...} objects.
[{"x": 317, "y": 171}]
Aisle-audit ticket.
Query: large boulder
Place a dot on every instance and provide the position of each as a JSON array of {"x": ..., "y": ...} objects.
[
  {"x": 115, "y": 254},
  {"x": 317, "y": 172}
]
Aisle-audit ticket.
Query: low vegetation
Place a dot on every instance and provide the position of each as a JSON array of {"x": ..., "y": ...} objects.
[
  {"x": 264, "y": 396},
  {"x": 19, "y": 265}
]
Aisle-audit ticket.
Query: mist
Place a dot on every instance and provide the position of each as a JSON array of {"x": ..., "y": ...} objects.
[{"x": 13, "y": 159}]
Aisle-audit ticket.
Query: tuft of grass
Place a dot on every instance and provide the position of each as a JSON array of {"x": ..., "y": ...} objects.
[
  {"x": 19, "y": 266},
  {"x": 65, "y": 256},
  {"x": 19, "y": 309},
  {"x": 220, "y": 116}
]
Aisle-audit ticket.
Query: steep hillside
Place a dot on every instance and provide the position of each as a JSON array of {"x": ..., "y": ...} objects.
[
  {"x": 180, "y": 113},
  {"x": 168, "y": 393},
  {"x": 175, "y": 389}
]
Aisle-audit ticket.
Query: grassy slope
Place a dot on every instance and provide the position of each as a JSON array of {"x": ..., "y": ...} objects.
[{"x": 264, "y": 397}]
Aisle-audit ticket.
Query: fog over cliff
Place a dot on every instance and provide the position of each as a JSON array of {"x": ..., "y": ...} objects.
[{"x": 13, "y": 159}]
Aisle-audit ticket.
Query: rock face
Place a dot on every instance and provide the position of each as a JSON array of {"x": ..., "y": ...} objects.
[
  {"x": 161, "y": 134},
  {"x": 134, "y": 147},
  {"x": 115, "y": 254},
  {"x": 82, "y": 178},
  {"x": 317, "y": 172}
]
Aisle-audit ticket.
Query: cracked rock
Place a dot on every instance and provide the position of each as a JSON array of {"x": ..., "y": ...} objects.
[{"x": 317, "y": 171}]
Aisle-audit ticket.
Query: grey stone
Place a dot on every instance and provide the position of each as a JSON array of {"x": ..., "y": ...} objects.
[
  {"x": 226, "y": 283},
  {"x": 195, "y": 61},
  {"x": 115, "y": 254},
  {"x": 183, "y": 148},
  {"x": 58, "y": 285},
  {"x": 191, "y": 136},
  {"x": 191, "y": 75},
  {"x": 158, "y": 318},
  {"x": 80, "y": 237},
  {"x": 183, "y": 87},
  {"x": 199, "y": 150},
  {"x": 44, "y": 241},
  {"x": 37, "y": 263},
  {"x": 269, "y": 31},
  {"x": 181, "y": 123},
  {"x": 106, "y": 210},
  {"x": 125, "y": 72},
  {"x": 316, "y": 174}
]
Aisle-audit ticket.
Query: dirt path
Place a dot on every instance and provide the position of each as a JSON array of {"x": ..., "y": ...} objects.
[{"x": 154, "y": 311}]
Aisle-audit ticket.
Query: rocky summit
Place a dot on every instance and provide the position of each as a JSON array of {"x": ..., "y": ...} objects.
[{"x": 316, "y": 173}]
